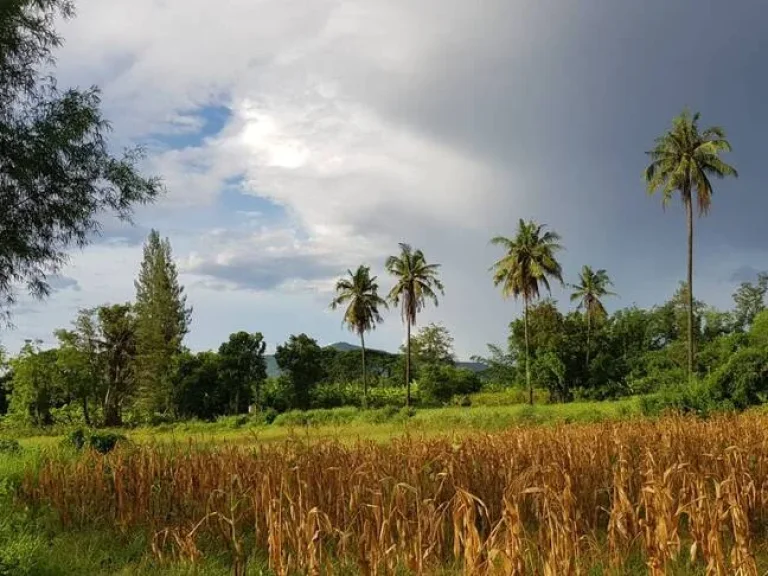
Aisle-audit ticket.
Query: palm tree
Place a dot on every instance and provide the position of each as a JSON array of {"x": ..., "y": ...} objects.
[
  {"x": 591, "y": 288},
  {"x": 360, "y": 292},
  {"x": 528, "y": 262},
  {"x": 683, "y": 160},
  {"x": 415, "y": 283}
]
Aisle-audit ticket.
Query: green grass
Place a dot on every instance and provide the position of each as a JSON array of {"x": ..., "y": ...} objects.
[{"x": 352, "y": 424}]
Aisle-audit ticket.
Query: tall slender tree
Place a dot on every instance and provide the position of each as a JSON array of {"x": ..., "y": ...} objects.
[
  {"x": 592, "y": 287},
  {"x": 416, "y": 282},
  {"x": 162, "y": 321},
  {"x": 683, "y": 160},
  {"x": 359, "y": 291},
  {"x": 529, "y": 261}
]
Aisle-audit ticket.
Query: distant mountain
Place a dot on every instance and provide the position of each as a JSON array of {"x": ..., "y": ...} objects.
[{"x": 273, "y": 370}]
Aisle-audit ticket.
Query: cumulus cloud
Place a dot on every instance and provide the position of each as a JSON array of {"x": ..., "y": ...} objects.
[{"x": 439, "y": 122}]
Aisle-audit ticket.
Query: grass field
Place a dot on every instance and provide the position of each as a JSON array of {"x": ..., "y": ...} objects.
[
  {"x": 575, "y": 489},
  {"x": 352, "y": 424}
]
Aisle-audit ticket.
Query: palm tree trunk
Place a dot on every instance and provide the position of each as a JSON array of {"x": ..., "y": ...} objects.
[
  {"x": 589, "y": 330},
  {"x": 527, "y": 355},
  {"x": 408, "y": 362},
  {"x": 365, "y": 377},
  {"x": 689, "y": 208}
]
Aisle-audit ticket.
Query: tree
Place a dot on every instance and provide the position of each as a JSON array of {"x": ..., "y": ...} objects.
[
  {"x": 529, "y": 261},
  {"x": 36, "y": 386},
  {"x": 360, "y": 292},
  {"x": 416, "y": 282},
  {"x": 117, "y": 326},
  {"x": 198, "y": 387},
  {"x": 591, "y": 288},
  {"x": 683, "y": 160},
  {"x": 78, "y": 363},
  {"x": 433, "y": 345},
  {"x": 301, "y": 361},
  {"x": 57, "y": 175},
  {"x": 243, "y": 369},
  {"x": 162, "y": 321},
  {"x": 750, "y": 301}
]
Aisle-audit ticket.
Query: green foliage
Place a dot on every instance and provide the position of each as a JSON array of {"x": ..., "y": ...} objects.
[
  {"x": 59, "y": 176},
  {"x": 749, "y": 299},
  {"x": 243, "y": 370},
  {"x": 162, "y": 321},
  {"x": 743, "y": 380},
  {"x": 9, "y": 446},
  {"x": 440, "y": 383},
  {"x": 416, "y": 283},
  {"x": 758, "y": 333},
  {"x": 433, "y": 345},
  {"x": 102, "y": 442},
  {"x": 300, "y": 359}
]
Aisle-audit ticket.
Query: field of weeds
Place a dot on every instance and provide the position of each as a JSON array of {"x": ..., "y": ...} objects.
[{"x": 677, "y": 495}]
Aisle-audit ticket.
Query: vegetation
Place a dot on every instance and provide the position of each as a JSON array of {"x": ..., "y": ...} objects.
[
  {"x": 416, "y": 282},
  {"x": 683, "y": 160},
  {"x": 634, "y": 497},
  {"x": 360, "y": 293},
  {"x": 58, "y": 174},
  {"x": 529, "y": 261}
]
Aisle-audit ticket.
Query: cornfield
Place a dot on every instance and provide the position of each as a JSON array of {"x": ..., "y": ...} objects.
[{"x": 552, "y": 501}]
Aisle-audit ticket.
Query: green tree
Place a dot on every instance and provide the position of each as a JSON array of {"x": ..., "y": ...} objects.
[
  {"x": 57, "y": 175},
  {"x": 162, "y": 321},
  {"x": 750, "y": 301},
  {"x": 36, "y": 385},
  {"x": 198, "y": 386},
  {"x": 117, "y": 345},
  {"x": 79, "y": 364},
  {"x": 592, "y": 287},
  {"x": 360, "y": 293},
  {"x": 301, "y": 361},
  {"x": 683, "y": 160},
  {"x": 432, "y": 345},
  {"x": 243, "y": 369},
  {"x": 529, "y": 261},
  {"x": 416, "y": 282}
]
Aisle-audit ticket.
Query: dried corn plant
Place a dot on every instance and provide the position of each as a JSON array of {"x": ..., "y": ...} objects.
[{"x": 547, "y": 500}]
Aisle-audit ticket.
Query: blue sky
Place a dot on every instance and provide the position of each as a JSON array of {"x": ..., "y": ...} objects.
[{"x": 300, "y": 138}]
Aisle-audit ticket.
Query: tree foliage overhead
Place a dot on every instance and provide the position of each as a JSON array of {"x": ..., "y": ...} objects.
[{"x": 57, "y": 173}]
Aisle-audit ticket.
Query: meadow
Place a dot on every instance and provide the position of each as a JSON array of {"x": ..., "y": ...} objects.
[{"x": 549, "y": 490}]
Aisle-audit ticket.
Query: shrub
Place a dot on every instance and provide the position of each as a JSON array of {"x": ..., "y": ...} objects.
[
  {"x": 105, "y": 442},
  {"x": 441, "y": 383},
  {"x": 743, "y": 379},
  {"x": 102, "y": 442},
  {"x": 509, "y": 397},
  {"x": 9, "y": 446}
]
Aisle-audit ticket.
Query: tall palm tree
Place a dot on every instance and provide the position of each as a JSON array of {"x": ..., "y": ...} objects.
[
  {"x": 415, "y": 283},
  {"x": 360, "y": 292},
  {"x": 529, "y": 261},
  {"x": 683, "y": 160},
  {"x": 591, "y": 288}
]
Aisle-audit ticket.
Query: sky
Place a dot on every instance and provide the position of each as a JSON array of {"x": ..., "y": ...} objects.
[{"x": 300, "y": 138}]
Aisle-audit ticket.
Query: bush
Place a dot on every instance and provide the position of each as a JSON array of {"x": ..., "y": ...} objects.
[
  {"x": 695, "y": 398},
  {"x": 105, "y": 442},
  {"x": 9, "y": 446},
  {"x": 102, "y": 442},
  {"x": 743, "y": 380},
  {"x": 441, "y": 383}
]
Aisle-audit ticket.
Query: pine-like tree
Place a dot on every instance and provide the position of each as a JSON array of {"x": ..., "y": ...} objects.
[{"x": 162, "y": 321}]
